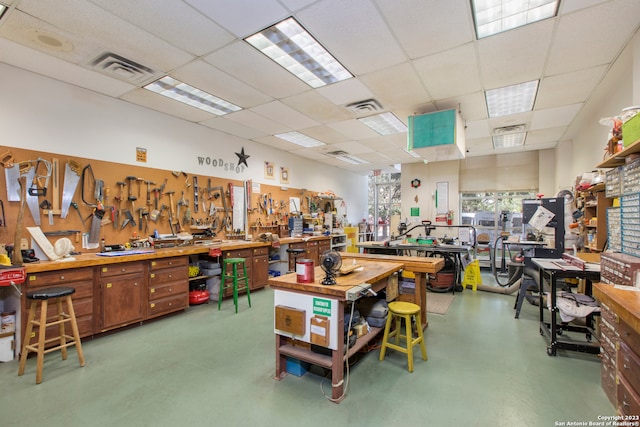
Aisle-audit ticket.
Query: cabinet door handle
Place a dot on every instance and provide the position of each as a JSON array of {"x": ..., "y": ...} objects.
[{"x": 61, "y": 277}]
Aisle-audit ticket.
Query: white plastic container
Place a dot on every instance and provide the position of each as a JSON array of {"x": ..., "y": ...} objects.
[
  {"x": 7, "y": 343},
  {"x": 213, "y": 286}
]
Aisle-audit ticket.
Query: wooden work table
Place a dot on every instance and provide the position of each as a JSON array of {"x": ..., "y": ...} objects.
[
  {"x": 303, "y": 297},
  {"x": 376, "y": 271}
]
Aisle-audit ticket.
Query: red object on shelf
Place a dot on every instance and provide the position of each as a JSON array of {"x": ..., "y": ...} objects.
[
  {"x": 12, "y": 276},
  {"x": 198, "y": 297},
  {"x": 213, "y": 252}
]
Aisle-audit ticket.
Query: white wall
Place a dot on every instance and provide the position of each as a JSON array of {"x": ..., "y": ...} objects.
[
  {"x": 429, "y": 175},
  {"x": 46, "y": 115},
  {"x": 619, "y": 89}
]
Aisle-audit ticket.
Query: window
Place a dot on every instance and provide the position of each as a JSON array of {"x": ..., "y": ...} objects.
[
  {"x": 384, "y": 202},
  {"x": 494, "y": 212}
]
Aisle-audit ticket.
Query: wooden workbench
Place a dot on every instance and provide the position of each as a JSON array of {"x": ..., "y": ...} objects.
[{"x": 374, "y": 273}]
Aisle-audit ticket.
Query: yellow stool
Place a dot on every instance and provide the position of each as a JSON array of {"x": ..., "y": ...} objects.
[
  {"x": 235, "y": 279},
  {"x": 41, "y": 298},
  {"x": 403, "y": 310}
]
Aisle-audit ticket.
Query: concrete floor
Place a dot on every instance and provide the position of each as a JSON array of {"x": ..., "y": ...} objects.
[{"x": 205, "y": 367}]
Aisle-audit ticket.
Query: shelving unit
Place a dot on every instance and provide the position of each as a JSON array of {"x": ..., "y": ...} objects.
[
  {"x": 618, "y": 159},
  {"x": 339, "y": 242},
  {"x": 595, "y": 218}
]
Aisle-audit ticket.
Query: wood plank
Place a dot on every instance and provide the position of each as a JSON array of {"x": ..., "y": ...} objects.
[
  {"x": 415, "y": 264},
  {"x": 306, "y": 355}
]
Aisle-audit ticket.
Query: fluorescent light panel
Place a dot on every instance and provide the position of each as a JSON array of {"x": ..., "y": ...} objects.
[
  {"x": 511, "y": 99},
  {"x": 385, "y": 123},
  {"x": 300, "y": 139},
  {"x": 412, "y": 153},
  {"x": 495, "y": 16},
  {"x": 348, "y": 158},
  {"x": 509, "y": 141},
  {"x": 182, "y": 92},
  {"x": 291, "y": 46},
  {"x": 3, "y": 9}
]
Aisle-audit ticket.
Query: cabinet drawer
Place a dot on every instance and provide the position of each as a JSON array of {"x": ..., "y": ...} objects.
[
  {"x": 628, "y": 364},
  {"x": 261, "y": 251},
  {"x": 630, "y": 336},
  {"x": 59, "y": 278},
  {"x": 168, "y": 289},
  {"x": 119, "y": 269},
  {"x": 608, "y": 377},
  {"x": 298, "y": 245},
  {"x": 157, "y": 264},
  {"x": 167, "y": 305},
  {"x": 628, "y": 400},
  {"x": 312, "y": 244},
  {"x": 168, "y": 275},
  {"x": 608, "y": 342},
  {"x": 238, "y": 253},
  {"x": 607, "y": 314}
]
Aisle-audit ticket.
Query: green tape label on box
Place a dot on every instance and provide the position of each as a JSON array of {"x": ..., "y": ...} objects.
[{"x": 322, "y": 306}]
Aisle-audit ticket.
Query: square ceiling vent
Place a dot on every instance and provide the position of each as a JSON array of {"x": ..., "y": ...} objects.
[
  {"x": 121, "y": 68},
  {"x": 365, "y": 108}
]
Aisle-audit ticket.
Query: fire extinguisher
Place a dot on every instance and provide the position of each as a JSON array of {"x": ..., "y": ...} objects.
[{"x": 450, "y": 218}]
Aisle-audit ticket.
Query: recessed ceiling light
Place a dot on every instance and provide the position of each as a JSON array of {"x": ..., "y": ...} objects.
[
  {"x": 296, "y": 50},
  {"x": 48, "y": 40},
  {"x": 509, "y": 141},
  {"x": 182, "y": 92},
  {"x": 495, "y": 16},
  {"x": 513, "y": 99},
  {"x": 300, "y": 139},
  {"x": 348, "y": 158},
  {"x": 385, "y": 123}
]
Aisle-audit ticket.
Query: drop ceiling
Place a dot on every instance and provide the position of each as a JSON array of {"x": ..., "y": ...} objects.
[{"x": 407, "y": 57}]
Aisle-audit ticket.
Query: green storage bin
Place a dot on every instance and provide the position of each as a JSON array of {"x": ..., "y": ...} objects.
[{"x": 631, "y": 130}]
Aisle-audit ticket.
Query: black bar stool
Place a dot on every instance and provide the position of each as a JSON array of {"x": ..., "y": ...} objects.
[{"x": 41, "y": 298}]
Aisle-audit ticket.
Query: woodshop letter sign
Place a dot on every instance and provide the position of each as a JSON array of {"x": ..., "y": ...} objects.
[{"x": 322, "y": 306}]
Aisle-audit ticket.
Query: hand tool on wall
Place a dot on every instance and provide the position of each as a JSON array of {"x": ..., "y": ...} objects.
[
  {"x": 140, "y": 210},
  {"x": 32, "y": 199},
  {"x": 74, "y": 205},
  {"x": 71, "y": 179},
  {"x": 87, "y": 180},
  {"x": 128, "y": 219},
  {"x": 16, "y": 255},
  {"x": 145, "y": 217},
  {"x": 172, "y": 211},
  {"x": 130, "y": 196},
  {"x": 149, "y": 184},
  {"x": 11, "y": 174},
  {"x": 54, "y": 208},
  {"x": 40, "y": 182},
  {"x": 195, "y": 193},
  {"x": 96, "y": 223},
  {"x": 140, "y": 181},
  {"x": 119, "y": 197}
]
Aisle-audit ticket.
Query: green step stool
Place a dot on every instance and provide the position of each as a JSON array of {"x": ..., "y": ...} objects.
[{"x": 235, "y": 279}]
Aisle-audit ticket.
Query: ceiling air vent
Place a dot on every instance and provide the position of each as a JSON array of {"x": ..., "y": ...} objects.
[
  {"x": 365, "y": 107},
  {"x": 337, "y": 153},
  {"x": 509, "y": 129},
  {"x": 122, "y": 68}
]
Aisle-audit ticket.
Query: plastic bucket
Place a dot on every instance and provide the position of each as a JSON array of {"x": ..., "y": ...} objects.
[{"x": 305, "y": 271}]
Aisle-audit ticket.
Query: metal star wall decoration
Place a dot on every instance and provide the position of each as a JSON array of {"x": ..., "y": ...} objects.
[{"x": 242, "y": 158}]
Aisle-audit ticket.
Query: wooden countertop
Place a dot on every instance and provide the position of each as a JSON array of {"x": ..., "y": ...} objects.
[
  {"x": 289, "y": 240},
  {"x": 372, "y": 272},
  {"x": 92, "y": 259},
  {"x": 626, "y": 304},
  {"x": 416, "y": 264}
]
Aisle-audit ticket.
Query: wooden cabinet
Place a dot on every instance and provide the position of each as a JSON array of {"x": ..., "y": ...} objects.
[
  {"x": 324, "y": 246},
  {"x": 122, "y": 289},
  {"x": 168, "y": 288},
  {"x": 83, "y": 298},
  {"x": 247, "y": 254},
  {"x": 595, "y": 218},
  {"x": 259, "y": 267}
]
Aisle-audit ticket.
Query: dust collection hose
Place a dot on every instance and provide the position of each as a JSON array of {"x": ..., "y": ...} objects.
[{"x": 514, "y": 272}]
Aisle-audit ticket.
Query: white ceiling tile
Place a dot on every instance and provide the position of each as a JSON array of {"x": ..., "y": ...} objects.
[
  {"x": 232, "y": 128},
  {"x": 351, "y": 147},
  {"x": 450, "y": 73},
  {"x": 423, "y": 29},
  {"x": 173, "y": 21},
  {"x": 477, "y": 129},
  {"x": 324, "y": 134},
  {"x": 354, "y": 32},
  {"x": 346, "y": 92},
  {"x": 204, "y": 76},
  {"x": 278, "y": 143},
  {"x": 545, "y": 136},
  {"x": 247, "y": 64},
  {"x": 242, "y": 17},
  {"x": 568, "y": 6},
  {"x": 281, "y": 113},
  {"x": 574, "y": 87},
  {"x": 472, "y": 106},
  {"x": 309, "y": 153},
  {"x": 353, "y": 129},
  {"x": 396, "y": 87},
  {"x": 554, "y": 117},
  {"x": 108, "y": 32},
  {"x": 58, "y": 69},
  {"x": 515, "y": 56},
  {"x": 250, "y": 119},
  {"x": 584, "y": 39},
  {"x": 317, "y": 107}
]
